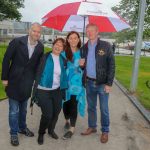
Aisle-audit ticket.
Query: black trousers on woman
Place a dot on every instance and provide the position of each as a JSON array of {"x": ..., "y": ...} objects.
[
  {"x": 70, "y": 110},
  {"x": 50, "y": 103}
]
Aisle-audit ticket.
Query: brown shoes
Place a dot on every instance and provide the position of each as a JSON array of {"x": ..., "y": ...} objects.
[
  {"x": 104, "y": 138},
  {"x": 89, "y": 131}
]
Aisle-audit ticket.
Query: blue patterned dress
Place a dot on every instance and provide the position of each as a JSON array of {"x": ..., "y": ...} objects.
[{"x": 74, "y": 77}]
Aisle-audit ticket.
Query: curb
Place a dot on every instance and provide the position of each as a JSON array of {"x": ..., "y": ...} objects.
[
  {"x": 3, "y": 99},
  {"x": 134, "y": 100}
]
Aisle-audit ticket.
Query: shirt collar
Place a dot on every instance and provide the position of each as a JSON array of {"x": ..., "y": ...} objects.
[
  {"x": 30, "y": 44},
  {"x": 94, "y": 44}
]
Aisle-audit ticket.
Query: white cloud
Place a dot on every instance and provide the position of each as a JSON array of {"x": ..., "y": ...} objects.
[{"x": 35, "y": 9}]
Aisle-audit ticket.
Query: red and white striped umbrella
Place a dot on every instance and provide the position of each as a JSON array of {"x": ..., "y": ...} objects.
[{"x": 74, "y": 17}]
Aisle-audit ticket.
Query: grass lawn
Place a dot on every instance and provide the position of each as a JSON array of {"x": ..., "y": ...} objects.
[
  {"x": 2, "y": 51},
  {"x": 123, "y": 74}
]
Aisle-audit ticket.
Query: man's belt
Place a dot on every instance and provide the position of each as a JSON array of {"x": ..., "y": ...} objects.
[{"x": 92, "y": 79}]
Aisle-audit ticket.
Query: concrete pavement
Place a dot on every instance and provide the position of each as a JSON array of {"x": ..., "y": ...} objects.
[{"x": 129, "y": 129}]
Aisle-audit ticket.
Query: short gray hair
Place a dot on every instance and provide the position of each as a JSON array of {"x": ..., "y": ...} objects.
[
  {"x": 35, "y": 24},
  {"x": 92, "y": 25}
]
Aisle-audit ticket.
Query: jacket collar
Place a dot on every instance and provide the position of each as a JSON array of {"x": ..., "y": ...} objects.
[
  {"x": 24, "y": 40},
  {"x": 98, "y": 41}
]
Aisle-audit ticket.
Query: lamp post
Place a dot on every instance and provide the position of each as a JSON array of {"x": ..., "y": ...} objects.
[{"x": 138, "y": 45}]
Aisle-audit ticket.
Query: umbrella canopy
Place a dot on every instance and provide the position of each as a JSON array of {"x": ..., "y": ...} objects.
[{"x": 74, "y": 17}]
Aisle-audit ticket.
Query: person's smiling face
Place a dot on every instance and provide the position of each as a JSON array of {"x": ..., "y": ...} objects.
[
  {"x": 57, "y": 48},
  {"x": 92, "y": 32}
]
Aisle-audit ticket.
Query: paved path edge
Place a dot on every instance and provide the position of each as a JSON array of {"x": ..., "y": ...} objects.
[{"x": 135, "y": 101}]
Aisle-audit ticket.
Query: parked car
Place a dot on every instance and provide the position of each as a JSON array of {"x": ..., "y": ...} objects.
[
  {"x": 145, "y": 45},
  {"x": 50, "y": 41}
]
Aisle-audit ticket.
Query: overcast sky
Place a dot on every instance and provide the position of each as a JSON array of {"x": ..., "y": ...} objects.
[{"x": 34, "y": 10}]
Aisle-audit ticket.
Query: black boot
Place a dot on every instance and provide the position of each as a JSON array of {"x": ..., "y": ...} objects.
[
  {"x": 40, "y": 139},
  {"x": 53, "y": 135}
]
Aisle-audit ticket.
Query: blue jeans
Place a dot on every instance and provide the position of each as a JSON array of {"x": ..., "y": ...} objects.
[
  {"x": 17, "y": 115},
  {"x": 92, "y": 90}
]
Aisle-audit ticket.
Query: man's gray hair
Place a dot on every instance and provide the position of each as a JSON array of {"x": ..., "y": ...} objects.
[
  {"x": 35, "y": 23},
  {"x": 92, "y": 25}
]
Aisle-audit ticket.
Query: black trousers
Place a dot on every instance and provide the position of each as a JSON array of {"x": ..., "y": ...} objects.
[
  {"x": 50, "y": 103},
  {"x": 70, "y": 110}
]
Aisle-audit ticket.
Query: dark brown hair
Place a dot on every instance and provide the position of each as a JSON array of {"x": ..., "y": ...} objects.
[
  {"x": 68, "y": 50},
  {"x": 61, "y": 40}
]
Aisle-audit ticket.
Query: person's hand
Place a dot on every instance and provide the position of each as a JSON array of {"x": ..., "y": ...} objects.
[
  {"x": 107, "y": 89},
  {"x": 82, "y": 62},
  {"x": 5, "y": 82}
]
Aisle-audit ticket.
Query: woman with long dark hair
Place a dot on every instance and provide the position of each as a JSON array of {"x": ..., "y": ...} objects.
[{"x": 75, "y": 94}]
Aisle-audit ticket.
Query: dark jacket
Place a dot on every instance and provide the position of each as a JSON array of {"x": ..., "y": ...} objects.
[
  {"x": 105, "y": 63},
  {"x": 63, "y": 79},
  {"x": 18, "y": 69}
]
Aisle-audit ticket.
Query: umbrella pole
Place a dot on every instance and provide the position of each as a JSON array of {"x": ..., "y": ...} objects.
[
  {"x": 83, "y": 29},
  {"x": 84, "y": 26},
  {"x": 83, "y": 35}
]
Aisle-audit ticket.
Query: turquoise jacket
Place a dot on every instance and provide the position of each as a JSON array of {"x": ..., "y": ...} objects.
[
  {"x": 42, "y": 78},
  {"x": 74, "y": 77},
  {"x": 47, "y": 74}
]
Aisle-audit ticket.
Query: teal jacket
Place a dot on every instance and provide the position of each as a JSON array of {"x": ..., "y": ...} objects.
[
  {"x": 40, "y": 79},
  {"x": 48, "y": 71}
]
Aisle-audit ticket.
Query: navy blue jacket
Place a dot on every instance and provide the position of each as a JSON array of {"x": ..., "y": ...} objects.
[
  {"x": 18, "y": 69},
  {"x": 105, "y": 63}
]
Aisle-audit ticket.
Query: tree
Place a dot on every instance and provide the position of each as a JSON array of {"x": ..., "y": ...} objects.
[
  {"x": 128, "y": 9},
  {"x": 9, "y": 9}
]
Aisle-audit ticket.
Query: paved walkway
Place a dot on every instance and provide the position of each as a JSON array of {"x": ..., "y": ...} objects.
[{"x": 129, "y": 130}]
